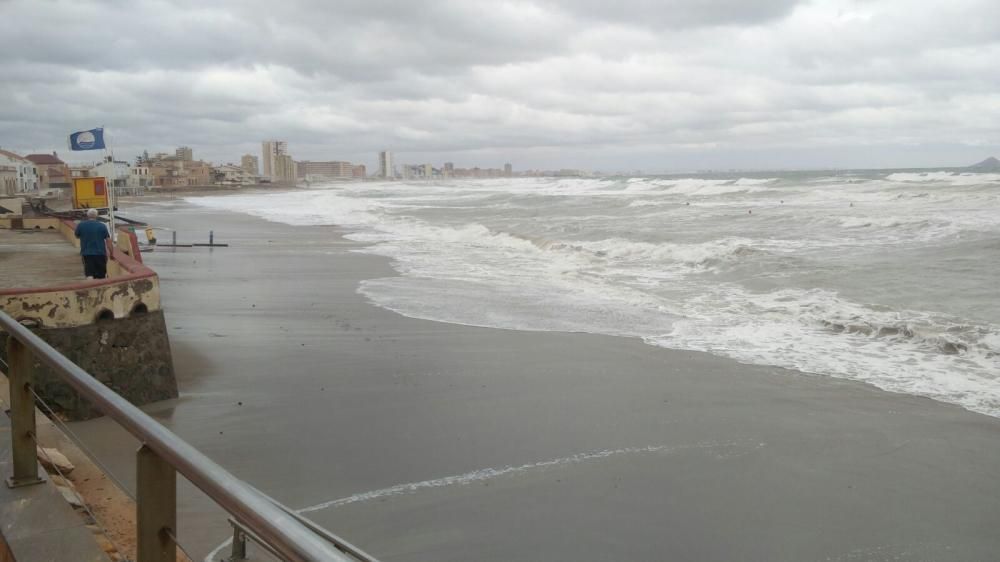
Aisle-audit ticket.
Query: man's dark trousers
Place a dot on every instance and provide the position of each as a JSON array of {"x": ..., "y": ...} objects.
[{"x": 95, "y": 266}]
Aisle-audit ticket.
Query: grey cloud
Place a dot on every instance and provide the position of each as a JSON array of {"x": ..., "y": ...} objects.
[
  {"x": 678, "y": 13},
  {"x": 696, "y": 80}
]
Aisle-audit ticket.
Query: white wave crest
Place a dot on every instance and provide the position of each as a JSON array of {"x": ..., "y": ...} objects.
[
  {"x": 952, "y": 178},
  {"x": 817, "y": 331}
]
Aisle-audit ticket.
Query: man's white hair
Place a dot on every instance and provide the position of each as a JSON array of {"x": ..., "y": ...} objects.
[{"x": 91, "y": 213}]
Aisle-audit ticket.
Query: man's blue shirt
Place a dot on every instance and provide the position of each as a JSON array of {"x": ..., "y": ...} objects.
[{"x": 92, "y": 235}]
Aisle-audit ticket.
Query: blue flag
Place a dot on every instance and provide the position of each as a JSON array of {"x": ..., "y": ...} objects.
[{"x": 87, "y": 140}]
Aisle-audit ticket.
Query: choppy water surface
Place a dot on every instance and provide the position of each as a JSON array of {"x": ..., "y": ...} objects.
[{"x": 885, "y": 277}]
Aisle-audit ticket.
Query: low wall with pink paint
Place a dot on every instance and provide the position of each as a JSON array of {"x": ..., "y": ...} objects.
[
  {"x": 113, "y": 328},
  {"x": 130, "y": 287}
]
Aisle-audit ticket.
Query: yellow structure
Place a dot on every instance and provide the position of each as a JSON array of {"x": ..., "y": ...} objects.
[{"x": 90, "y": 193}]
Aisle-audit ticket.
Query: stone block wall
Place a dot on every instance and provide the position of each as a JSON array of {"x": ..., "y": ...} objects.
[{"x": 129, "y": 355}]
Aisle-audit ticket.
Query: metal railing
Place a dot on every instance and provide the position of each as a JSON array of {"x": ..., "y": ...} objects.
[{"x": 162, "y": 454}]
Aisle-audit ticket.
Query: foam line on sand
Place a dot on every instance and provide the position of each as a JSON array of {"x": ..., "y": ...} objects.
[{"x": 726, "y": 449}]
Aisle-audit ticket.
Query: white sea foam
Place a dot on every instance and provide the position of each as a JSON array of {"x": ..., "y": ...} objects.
[
  {"x": 952, "y": 178},
  {"x": 697, "y": 187},
  {"x": 755, "y": 181},
  {"x": 628, "y": 258},
  {"x": 721, "y": 450},
  {"x": 817, "y": 331}
]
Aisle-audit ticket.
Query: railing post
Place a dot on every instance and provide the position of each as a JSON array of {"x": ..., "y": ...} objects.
[
  {"x": 20, "y": 373},
  {"x": 156, "y": 507},
  {"x": 239, "y": 549}
]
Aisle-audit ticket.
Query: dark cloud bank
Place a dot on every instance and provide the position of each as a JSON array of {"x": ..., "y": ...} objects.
[{"x": 655, "y": 85}]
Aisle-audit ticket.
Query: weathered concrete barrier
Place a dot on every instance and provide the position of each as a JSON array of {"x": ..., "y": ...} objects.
[
  {"x": 113, "y": 328},
  {"x": 129, "y": 355}
]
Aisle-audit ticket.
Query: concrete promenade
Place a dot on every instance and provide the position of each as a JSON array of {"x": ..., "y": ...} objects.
[
  {"x": 36, "y": 523},
  {"x": 37, "y": 258},
  {"x": 114, "y": 329}
]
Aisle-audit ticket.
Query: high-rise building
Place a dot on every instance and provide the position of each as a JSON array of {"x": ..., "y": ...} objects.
[
  {"x": 508, "y": 170},
  {"x": 184, "y": 153},
  {"x": 385, "y": 166},
  {"x": 284, "y": 169},
  {"x": 272, "y": 150},
  {"x": 249, "y": 163}
]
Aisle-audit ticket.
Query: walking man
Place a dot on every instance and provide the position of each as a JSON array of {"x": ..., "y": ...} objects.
[{"x": 95, "y": 246}]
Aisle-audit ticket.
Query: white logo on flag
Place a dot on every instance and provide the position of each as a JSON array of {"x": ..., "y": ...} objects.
[{"x": 85, "y": 140}]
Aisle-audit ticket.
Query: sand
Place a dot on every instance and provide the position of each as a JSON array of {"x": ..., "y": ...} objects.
[{"x": 529, "y": 445}]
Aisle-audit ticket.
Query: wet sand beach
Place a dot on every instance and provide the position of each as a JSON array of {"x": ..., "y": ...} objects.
[{"x": 419, "y": 440}]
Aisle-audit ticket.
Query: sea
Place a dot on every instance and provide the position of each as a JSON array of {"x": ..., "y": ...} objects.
[{"x": 888, "y": 277}]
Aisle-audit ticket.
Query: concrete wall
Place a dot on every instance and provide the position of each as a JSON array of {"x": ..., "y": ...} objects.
[
  {"x": 131, "y": 356},
  {"x": 131, "y": 286},
  {"x": 81, "y": 304},
  {"x": 113, "y": 328}
]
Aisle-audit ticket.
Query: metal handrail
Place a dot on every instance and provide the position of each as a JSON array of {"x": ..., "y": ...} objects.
[{"x": 284, "y": 532}]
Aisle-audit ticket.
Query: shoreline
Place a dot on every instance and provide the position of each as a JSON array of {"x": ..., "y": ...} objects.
[
  {"x": 679, "y": 454},
  {"x": 730, "y": 354}
]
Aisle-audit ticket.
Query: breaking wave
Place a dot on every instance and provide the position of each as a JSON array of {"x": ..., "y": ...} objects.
[{"x": 627, "y": 257}]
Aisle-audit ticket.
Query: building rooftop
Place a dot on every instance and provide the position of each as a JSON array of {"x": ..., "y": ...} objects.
[
  {"x": 44, "y": 159},
  {"x": 11, "y": 155},
  {"x": 37, "y": 258}
]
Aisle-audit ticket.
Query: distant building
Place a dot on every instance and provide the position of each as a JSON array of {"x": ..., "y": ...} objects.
[
  {"x": 230, "y": 174},
  {"x": 359, "y": 172},
  {"x": 270, "y": 153},
  {"x": 477, "y": 172},
  {"x": 141, "y": 176},
  {"x": 385, "y": 166},
  {"x": 53, "y": 173},
  {"x": 184, "y": 153},
  {"x": 172, "y": 171},
  {"x": 419, "y": 171},
  {"x": 283, "y": 169},
  {"x": 198, "y": 172},
  {"x": 8, "y": 179},
  {"x": 331, "y": 170},
  {"x": 115, "y": 172},
  {"x": 508, "y": 170},
  {"x": 27, "y": 172},
  {"x": 249, "y": 163}
]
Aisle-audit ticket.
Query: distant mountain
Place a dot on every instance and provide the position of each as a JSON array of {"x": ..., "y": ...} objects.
[{"x": 991, "y": 164}]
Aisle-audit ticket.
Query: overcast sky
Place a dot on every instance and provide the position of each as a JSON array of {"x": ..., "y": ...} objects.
[{"x": 612, "y": 85}]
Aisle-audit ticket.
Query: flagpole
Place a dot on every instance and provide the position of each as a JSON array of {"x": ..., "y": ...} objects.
[
  {"x": 109, "y": 156},
  {"x": 111, "y": 193}
]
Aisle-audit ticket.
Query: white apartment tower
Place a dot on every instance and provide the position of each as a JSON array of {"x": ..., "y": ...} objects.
[
  {"x": 385, "y": 166},
  {"x": 272, "y": 151}
]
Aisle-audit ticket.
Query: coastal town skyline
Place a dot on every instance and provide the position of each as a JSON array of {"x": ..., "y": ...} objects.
[{"x": 45, "y": 173}]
